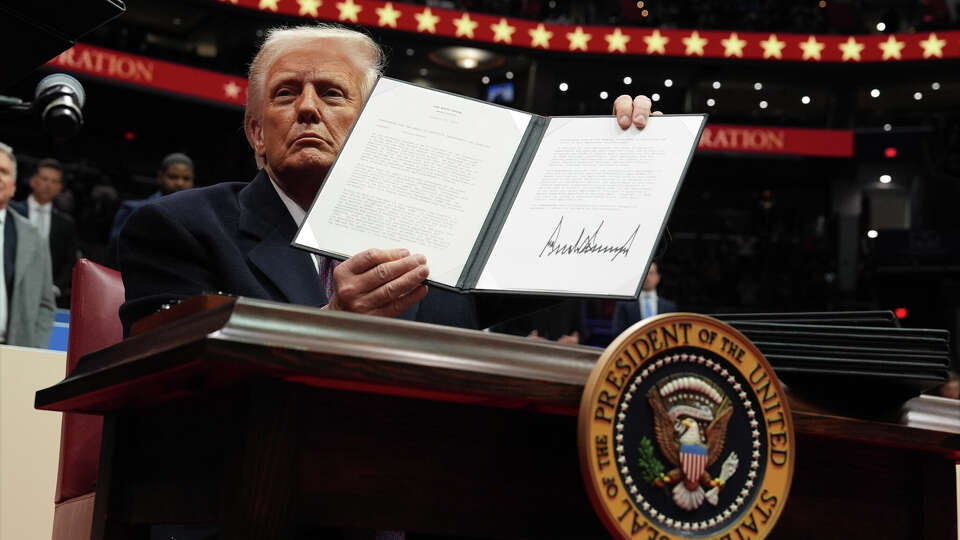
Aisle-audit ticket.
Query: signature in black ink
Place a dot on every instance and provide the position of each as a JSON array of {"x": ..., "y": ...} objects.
[{"x": 585, "y": 243}]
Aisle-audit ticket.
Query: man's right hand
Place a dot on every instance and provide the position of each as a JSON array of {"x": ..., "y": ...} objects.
[{"x": 379, "y": 282}]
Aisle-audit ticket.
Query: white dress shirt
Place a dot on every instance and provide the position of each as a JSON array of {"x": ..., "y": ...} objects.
[
  {"x": 648, "y": 303},
  {"x": 3, "y": 279},
  {"x": 40, "y": 215},
  {"x": 298, "y": 214}
]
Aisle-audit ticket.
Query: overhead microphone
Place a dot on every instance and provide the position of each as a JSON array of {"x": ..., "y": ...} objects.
[{"x": 58, "y": 101}]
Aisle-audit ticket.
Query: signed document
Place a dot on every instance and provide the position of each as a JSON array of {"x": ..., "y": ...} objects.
[{"x": 499, "y": 200}]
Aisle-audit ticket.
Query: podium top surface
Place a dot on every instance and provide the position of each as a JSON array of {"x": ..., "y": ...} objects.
[{"x": 241, "y": 340}]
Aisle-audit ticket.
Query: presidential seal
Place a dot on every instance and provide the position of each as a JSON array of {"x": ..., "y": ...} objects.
[{"x": 684, "y": 432}]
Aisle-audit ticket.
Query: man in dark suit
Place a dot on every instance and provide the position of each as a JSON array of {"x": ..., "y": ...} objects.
[
  {"x": 57, "y": 227},
  {"x": 306, "y": 87},
  {"x": 648, "y": 305},
  {"x": 26, "y": 285},
  {"x": 176, "y": 174}
]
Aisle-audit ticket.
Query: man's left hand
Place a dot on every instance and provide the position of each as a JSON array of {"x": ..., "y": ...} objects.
[{"x": 633, "y": 111}]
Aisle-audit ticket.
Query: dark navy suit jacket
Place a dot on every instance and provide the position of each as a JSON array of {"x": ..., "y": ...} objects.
[
  {"x": 235, "y": 238},
  {"x": 628, "y": 313}
]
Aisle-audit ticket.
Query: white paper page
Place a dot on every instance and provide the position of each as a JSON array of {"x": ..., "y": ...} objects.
[
  {"x": 588, "y": 214},
  {"x": 419, "y": 171}
]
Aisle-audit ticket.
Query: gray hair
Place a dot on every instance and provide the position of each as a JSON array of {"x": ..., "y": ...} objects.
[
  {"x": 6, "y": 149},
  {"x": 367, "y": 55}
]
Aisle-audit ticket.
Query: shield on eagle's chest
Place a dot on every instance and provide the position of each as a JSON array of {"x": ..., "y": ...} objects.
[{"x": 693, "y": 460}]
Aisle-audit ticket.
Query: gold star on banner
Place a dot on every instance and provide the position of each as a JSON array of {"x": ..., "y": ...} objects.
[
  {"x": 851, "y": 49},
  {"x": 502, "y": 31},
  {"x": 891, "y": 48},
  {"x": 349, "y": 10},
  {"x": 773, "y": 47},
  {"x": 617, "y": 41},
  {"x": 269, "y": 4},
  {"x": 232, "y": 90},
  {"x": 656, "y": 43},
  {"x": 694, "y": 44},
  {"x": 387, "y": 16},
  {"x": 426, "y": 21},
  {"x": 812, "y": 48},
  {"x": 933, "y": 46},
  {"x": 309, "y": 7},
  {"x": 733, "y": 45},
  {"x": 465, "y": 26},
  {"x": 540, "y": 36},
  {"x": 578, "y": 39}
]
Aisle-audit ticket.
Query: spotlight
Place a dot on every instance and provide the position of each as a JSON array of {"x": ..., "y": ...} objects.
[
  {"x": 875, "y": 93},
  {"x": 805, "y": 100},
  {"x": 627, "y": 80},
  {"x": 918, "y": 96},
  {"x": 757, "y": 86},
  {"x": 564, "y": 86},
  {"x": 423, "y": 72},
  {"x": 711, "y": 102},
  {"x": 763, "y": 104},
  {"x": 887, "y": 127},
  {"x": 716, "y": 85},
  {"x": 890, "y": 152},
  {"x": 935, "y": 86},
  {"x": 668, "y": 83},
  {"x": 604, "y": 95},
  {"x": 485, "y": 79},
  {"x": 885, "y": 179},
  {"x": 410, "y": 52},
  {"x": 655, "y": 97},
  {"x": 881, "y": 26},
  {"x": 872, "y": 234}
]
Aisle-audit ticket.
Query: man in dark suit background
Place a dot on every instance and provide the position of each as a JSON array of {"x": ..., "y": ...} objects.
[
  {"x": 57, "y": 227},
  {"x": 648, "y": 305},
  {"x": 176, "y": 174},
  {"x": 306, "y": 87}
]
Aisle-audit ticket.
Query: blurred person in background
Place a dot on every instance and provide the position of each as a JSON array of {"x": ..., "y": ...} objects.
[
  {"x": 26, "y": 288},
  {"x": 176, "y": 174},
  {"x": 58, "y": 228},
  {"x": 648, "y": 305}
]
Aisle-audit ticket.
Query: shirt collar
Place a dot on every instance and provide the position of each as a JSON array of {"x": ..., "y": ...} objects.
[
  {"x": 649, "y": 294},
  {"x": 297, "y": 213},
  {"x": 34, "y": 205},
  {"x": 3, "y": 216}
]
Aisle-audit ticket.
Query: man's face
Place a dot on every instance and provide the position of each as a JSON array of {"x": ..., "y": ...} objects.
[
  {"x": 8, "y": 182},
  {"x": 46, "y": 184},
  {"x": 176, "y": 177},
  {"x": 653, "y": 278},
  {"x": 312, "y": 96}
]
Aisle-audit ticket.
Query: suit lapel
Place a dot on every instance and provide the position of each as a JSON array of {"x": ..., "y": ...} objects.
[
  {"x": 25, "y": 250},
  {"x": 264, "y": 217}
]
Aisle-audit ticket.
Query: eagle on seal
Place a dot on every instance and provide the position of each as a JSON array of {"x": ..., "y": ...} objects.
[{"x": 690, "y": 450}]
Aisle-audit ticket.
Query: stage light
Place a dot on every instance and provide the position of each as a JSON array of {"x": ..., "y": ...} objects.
[
  {"x": 711, "y": 102},
  {"x": 887, "y": 127},
  {"x": 890, "y": 152},
  {"x": 644, "y": 13},
  {"x": 918, "y": 96},
  {"x": 900, "y": 312},
  {"x": 716, "y": 85},
  {"x": 822, "y": 3},
  {"x": 508, "y": 75},
  {"x": 627, "y": 80},
  {"x": 885, "y": 179},
  {"x": 640, "y": 4},
  {"x": 604, "y": 95},
  {"x": 875, "y": 93},
  {"x": 872, "y": 233},
  {"x": 467, "y": 63},
  {"x": 935, "y": 86},
  {"x": 763, "y": 104},
  {"x": 881, "y": 26},
  {"x": 410, "y": 52},
  {"x": 668, "y": 83},
  {"x": 423, "y": 72},
  {"x": 655, "y": 97},
  {"x": 805, "y": 100},
  {"x": 129, "y": 136},
  {"x": 485, "y": 79},
  {"x": 564, "y": 87}
]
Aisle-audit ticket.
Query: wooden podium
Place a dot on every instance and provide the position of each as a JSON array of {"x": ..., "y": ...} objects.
[{"x": 270, "y": 421}]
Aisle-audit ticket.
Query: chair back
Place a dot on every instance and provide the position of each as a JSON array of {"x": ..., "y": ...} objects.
[{"x": 94, "y": 324}]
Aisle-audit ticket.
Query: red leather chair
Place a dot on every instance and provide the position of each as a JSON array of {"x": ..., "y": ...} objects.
[{"x": 94, "y": 324}]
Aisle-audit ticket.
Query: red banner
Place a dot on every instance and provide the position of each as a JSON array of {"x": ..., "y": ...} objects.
[
  {"x": 153, "y": 74},
  {"x": 477, "y": 27},
  {"x": 776, "y": 140},
  {"x": 231, "y": 90}
]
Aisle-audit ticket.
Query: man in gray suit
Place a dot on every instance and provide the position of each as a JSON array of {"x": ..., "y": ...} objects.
[{"x": 26, "y": 290}]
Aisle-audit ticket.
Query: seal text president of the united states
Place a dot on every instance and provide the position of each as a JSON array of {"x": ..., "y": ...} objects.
[{"x": 306, "y": 87}]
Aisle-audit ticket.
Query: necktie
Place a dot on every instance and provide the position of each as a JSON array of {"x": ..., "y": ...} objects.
[
  {"x": 648, "y": 309},
  {"x": 326, "y": 275}
]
